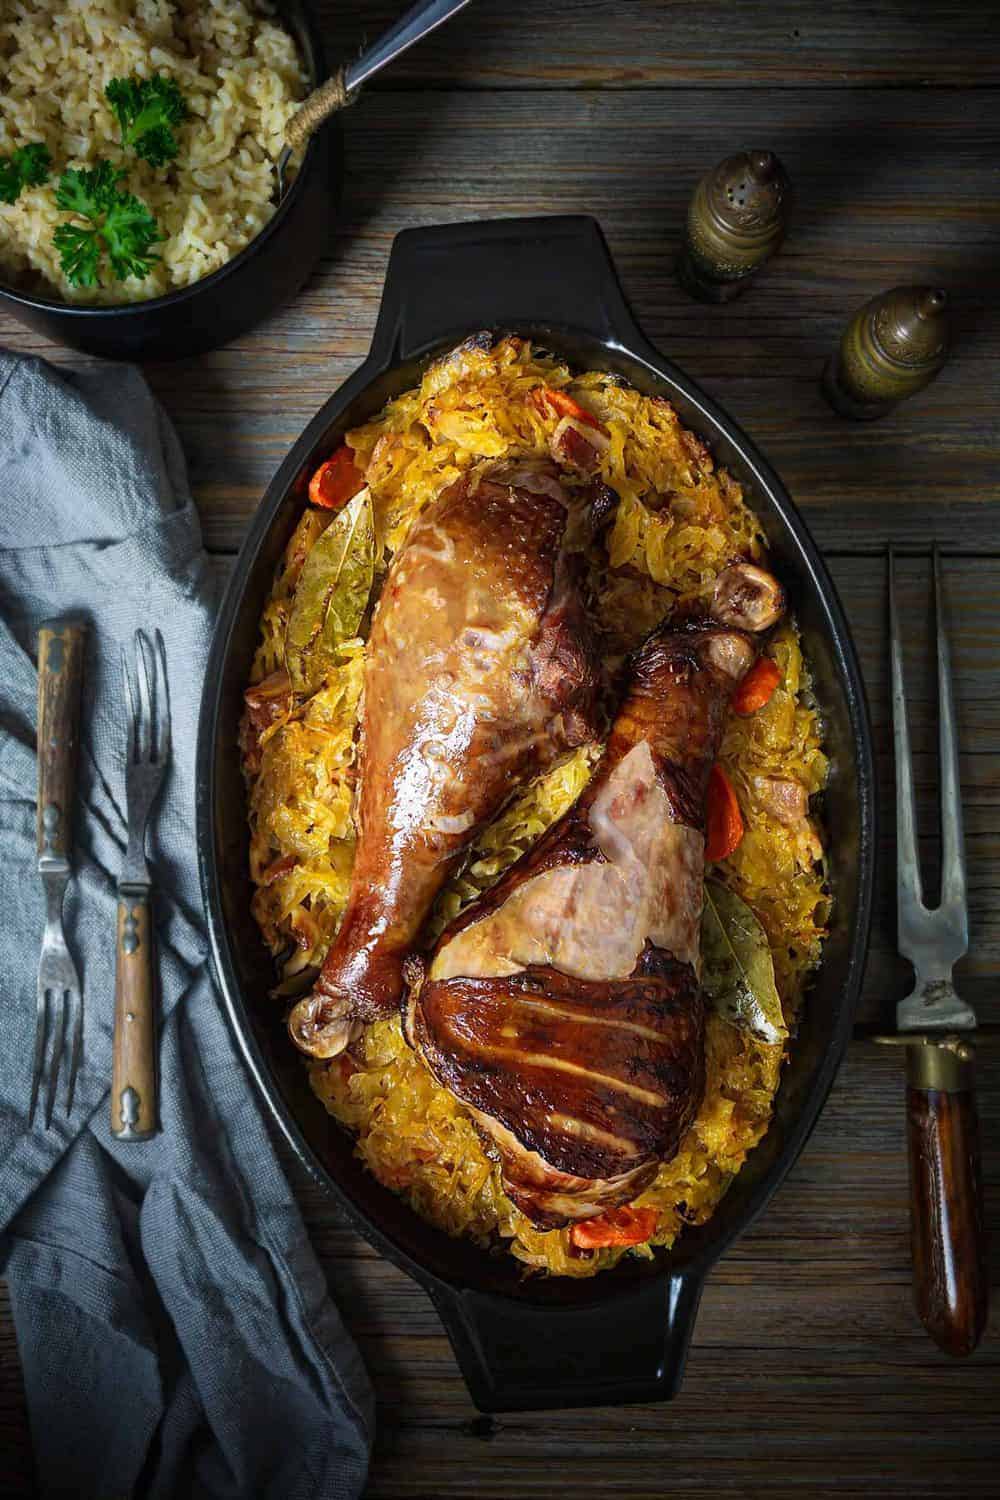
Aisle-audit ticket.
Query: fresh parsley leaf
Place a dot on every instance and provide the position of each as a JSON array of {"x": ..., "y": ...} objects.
[
  {"x": 79, "y": 253},
  {"x": 28, "y": 166},
  {"x": 33, "y": 162},
  {"x": 121, "y": 226},
  {"x": 146, "y": 110},
  {"x": 10, "y": 181},
  {"x": 130, "y": 231},
  {"x": 89, "y": 193}
]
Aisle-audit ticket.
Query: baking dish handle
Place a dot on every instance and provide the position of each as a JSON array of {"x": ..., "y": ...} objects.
[
  {"x": 523, "y": 1356},
  {"x": 500, "y": 274}
]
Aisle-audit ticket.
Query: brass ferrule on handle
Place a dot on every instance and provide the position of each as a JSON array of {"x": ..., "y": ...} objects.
[
  {"x": 134, "y": 1090},
  {"x": 61, "y": 649},
  {"x": 946, "y": 1063}
]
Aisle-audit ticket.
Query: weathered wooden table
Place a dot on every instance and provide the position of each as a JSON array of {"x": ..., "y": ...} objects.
[{"x": 809, "y": 1372}]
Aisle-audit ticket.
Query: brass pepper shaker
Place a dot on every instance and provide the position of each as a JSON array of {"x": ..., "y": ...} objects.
[
  {"x": 893, "y": 346},
  {"x": 736, "y": 221}
]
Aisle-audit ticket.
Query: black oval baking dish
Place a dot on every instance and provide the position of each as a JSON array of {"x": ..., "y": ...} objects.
[
  {"x": 521, "y": 1342},
  {"x": 240, "y": 294}
]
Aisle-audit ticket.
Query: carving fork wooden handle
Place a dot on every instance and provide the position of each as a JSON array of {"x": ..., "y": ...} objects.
[{"x": 950, "y": 1282}]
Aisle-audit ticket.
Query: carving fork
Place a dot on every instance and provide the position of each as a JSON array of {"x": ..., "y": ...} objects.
[{"x": 934, "y": 1025}]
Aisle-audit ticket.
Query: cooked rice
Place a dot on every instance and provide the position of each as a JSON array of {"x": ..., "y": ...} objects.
[
  {"x": 241, "y": 77},
  {"x": 680, "y": 521}
]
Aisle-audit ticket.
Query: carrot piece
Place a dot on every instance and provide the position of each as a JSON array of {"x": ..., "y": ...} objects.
[
  {"x": 619, "y": 1226},
  {"x": 336, "y": 481},
  {"x": 757, "y": 687},
  {"x": 723, "y": 819},
  {"x": 561, "y": 405}
]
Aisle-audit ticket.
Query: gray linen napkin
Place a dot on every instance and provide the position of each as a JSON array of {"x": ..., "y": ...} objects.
[{"x": 174, "y": 1326}]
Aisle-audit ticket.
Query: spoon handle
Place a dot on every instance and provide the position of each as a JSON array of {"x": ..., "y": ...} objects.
[
  {"x": 338, "y": 91},
  {"x": 419, "y": 21}
]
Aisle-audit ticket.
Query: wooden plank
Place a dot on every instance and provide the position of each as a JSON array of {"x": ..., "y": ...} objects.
[
  {"x": 926, "y": 208},
  {"x": 644, "y": 43}
]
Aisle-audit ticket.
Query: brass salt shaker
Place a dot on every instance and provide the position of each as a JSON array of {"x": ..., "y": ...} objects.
[
  {"x": 893, "y": 346},
  {"x": 736, "y": 221}
]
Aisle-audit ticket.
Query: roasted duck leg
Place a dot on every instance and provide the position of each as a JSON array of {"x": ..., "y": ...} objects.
[
  {"x": 479, "y": 673},
  {"x": 563, "y": 1008}
]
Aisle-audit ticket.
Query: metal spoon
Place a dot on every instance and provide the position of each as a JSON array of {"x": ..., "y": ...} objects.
[{"x": 419, "y": 21}]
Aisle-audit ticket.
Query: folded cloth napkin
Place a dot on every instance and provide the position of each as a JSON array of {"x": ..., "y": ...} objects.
[{"x": 175, "y": 1329}]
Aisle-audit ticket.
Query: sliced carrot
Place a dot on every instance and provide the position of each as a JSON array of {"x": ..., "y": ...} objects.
[
  {"x": 619, "y": 1226},
  {"x": 558, "y": 403},
  {"x": 336, "y": 481},
  {"x": 757, "y": 687},
  {"x": 723, "y": 819}
]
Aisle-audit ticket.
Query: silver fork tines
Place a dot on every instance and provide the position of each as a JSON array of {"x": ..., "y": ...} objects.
[
  {"x": 147, "y": 744},
  {"x": 59, "y": 998},
  {"x": 931, "y": 939}
]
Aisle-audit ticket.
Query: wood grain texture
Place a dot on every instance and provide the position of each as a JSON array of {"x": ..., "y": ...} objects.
[
  {"x": 643, "y": 44},
  {"x": 810, "y": 1373},
  {"x": 134, "y": 1098},
  {"x": 950, "y": 1278},
  {"x": 61, "y": 647}
]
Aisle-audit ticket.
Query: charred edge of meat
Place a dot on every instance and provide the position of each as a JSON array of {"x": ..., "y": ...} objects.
[
  {"x": 748, "y": 598},
  {"x": 534, "y": 1199},
  {"x": 523, "y": 1097}
]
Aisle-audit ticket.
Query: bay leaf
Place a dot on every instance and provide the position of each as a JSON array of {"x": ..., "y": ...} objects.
[
  {"x": 737, "y": 970},
  {"x": 332, "y": 594}
]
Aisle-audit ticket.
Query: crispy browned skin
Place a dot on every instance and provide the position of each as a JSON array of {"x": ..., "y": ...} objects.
[
  {"x": 578, "y": 1139},
  {"x": 585, "y": 1077},
  {"x": 479, "y": 672}
]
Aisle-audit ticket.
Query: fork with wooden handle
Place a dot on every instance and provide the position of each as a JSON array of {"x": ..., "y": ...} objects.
[
  {"x": 935, "y": 1025},
  {"x": 61, "y": 649},
  {"x": 134, "y": 1103}
]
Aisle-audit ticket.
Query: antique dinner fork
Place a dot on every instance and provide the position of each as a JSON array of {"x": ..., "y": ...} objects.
[
  {"x": 61, "y": 645},
  {"x": 934, "y": 1024},
  {"x": 134, "y": 1107}
]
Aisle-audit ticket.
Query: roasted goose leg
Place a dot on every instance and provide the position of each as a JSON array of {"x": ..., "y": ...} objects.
[
  {"x": 563, "y": 1008},
  {"x": 479, "y": 672}
]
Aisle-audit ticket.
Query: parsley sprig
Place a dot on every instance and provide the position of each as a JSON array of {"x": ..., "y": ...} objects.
[
  {"x": 120, "y": 226},
  {"x": 147, "y": 109},
  {"x": 28, "y": 166}
]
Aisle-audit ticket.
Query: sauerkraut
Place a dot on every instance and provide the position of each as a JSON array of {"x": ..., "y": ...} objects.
[{"x": 679, "y": 521}]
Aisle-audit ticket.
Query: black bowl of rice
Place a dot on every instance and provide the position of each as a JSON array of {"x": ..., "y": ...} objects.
[{"x": 225, "y": 255}]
